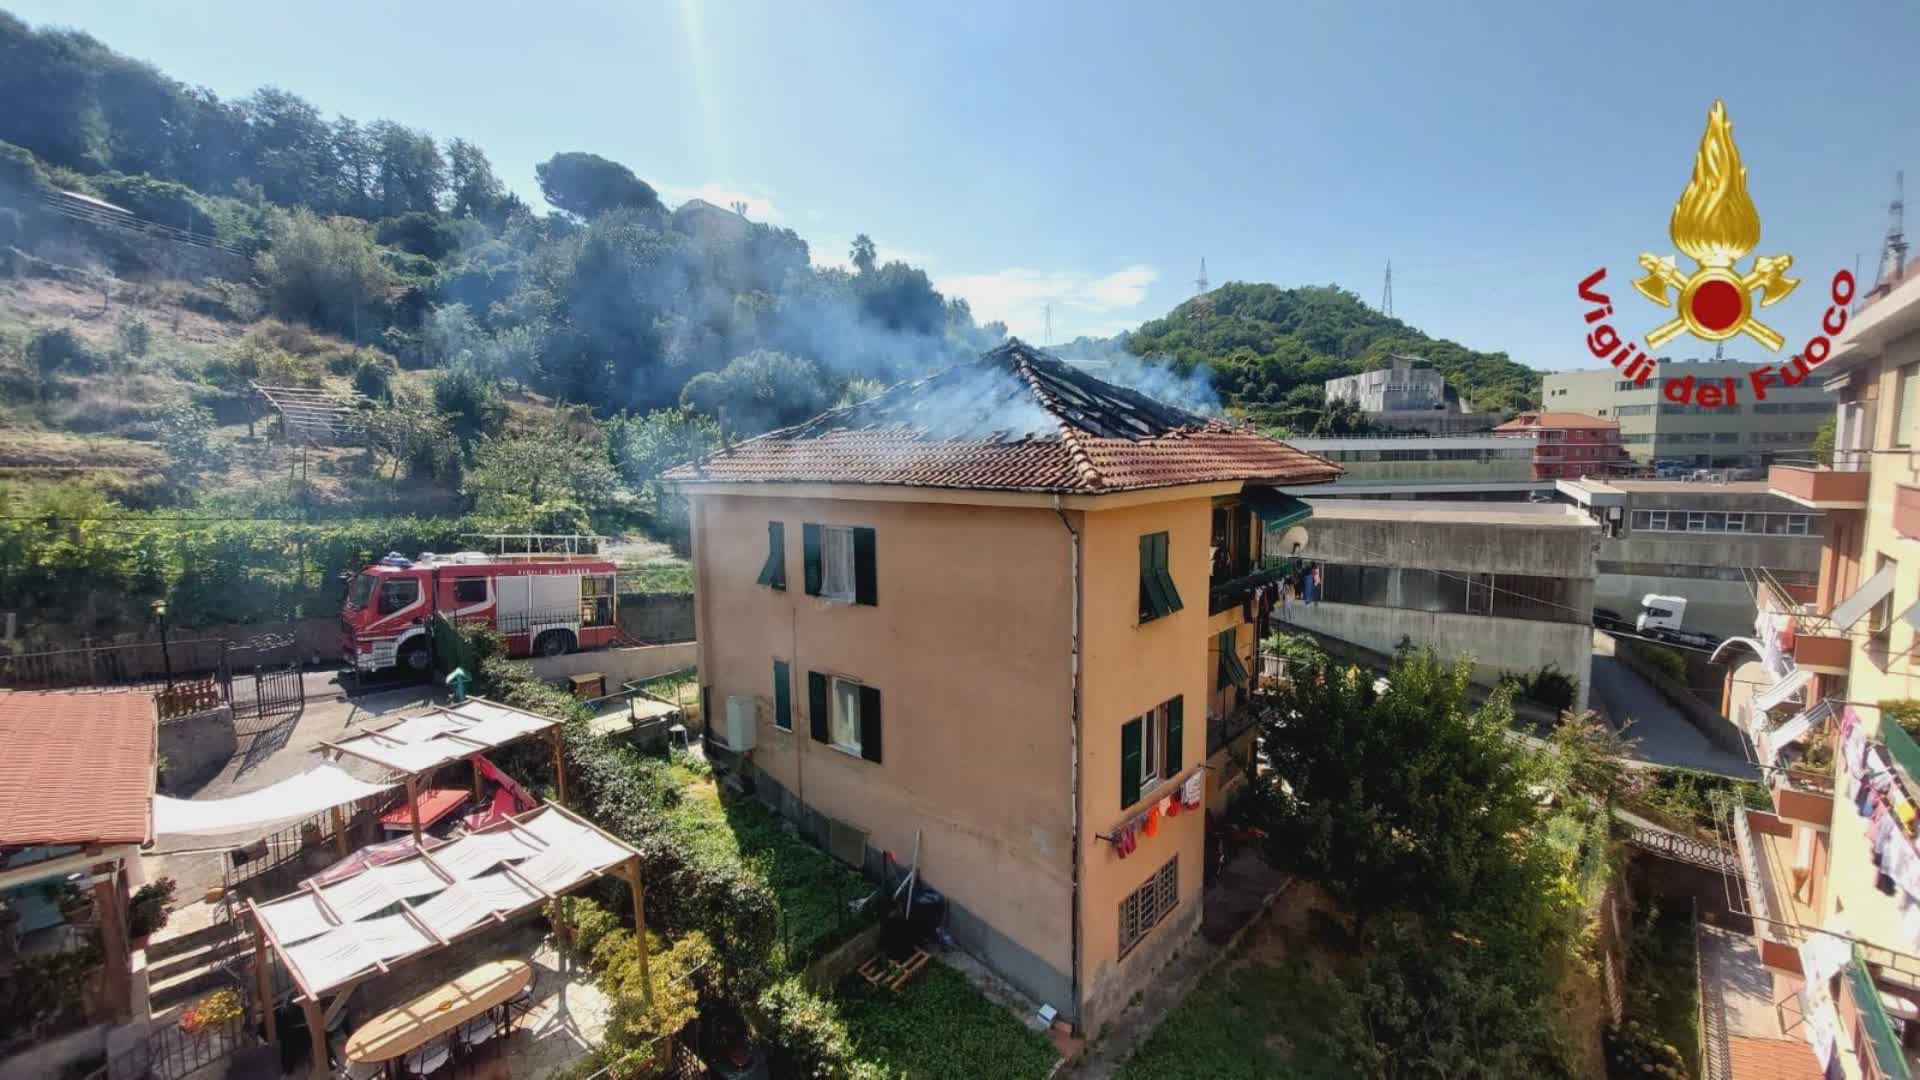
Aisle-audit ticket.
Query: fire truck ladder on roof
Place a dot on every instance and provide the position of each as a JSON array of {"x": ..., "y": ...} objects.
[{"x": 540, "y": 547}]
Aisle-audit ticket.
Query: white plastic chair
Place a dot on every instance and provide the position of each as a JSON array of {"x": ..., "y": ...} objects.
[{"x": 430, "y": 1059}]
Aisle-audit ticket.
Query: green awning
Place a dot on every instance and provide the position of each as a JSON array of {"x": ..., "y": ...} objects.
[{"x": 1276, "y": 509}]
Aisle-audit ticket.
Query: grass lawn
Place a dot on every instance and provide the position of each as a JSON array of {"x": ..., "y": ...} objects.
[
  {"x": 813, "y": 888},
  {"x": 1259, "y": 1020},
  {"x": 940, "y": 1026}
]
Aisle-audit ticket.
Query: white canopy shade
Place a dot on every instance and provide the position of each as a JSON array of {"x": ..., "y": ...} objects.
[
  {"x": 1872, "y": 591},
  {"x": 1795, "y": 681},
  {"x": 250, "y": 816},
  {"x": 423, "y": 742}
]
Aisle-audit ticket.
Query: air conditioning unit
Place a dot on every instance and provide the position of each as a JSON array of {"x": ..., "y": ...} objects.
[{"x": 740, "y": 723}]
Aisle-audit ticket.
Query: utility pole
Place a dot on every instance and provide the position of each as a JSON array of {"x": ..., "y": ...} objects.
[
  {"x": 1200, "y": 283},
  {"x": 1386, "y": 292},
  {"x": 1046, "y": 312},
  {"x": 1893, "y": 254}
]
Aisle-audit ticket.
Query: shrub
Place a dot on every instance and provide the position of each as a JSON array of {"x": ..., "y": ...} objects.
[
  {"x": 1905, "y": 712},
  {"x": 470, "y": 402},
  {"x": 1636, "y": 1052},
  {"x": 373, "y": 379},
  {"x": 805, "y": 1027},
  {"x": 134, "y": 335},
  {"x": 150, "y": 907},
  {"x": 1670, "y": 662},
  {"x": 1548, "y": 686},
  {"x": 58, "y": 348}
]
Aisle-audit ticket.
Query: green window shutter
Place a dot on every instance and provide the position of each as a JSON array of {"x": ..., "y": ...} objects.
[
  {"x": 1157, "y": 595},
  {"x": 1223, "y": 642},
  {"x": 1166, "y": 575},
  {"x": 774, "y": 571},
  {"x": 1130, "y": 738},
  {"x": 870, "y": 723},
  {"x": 1176, "y": 727},
  {"x": 817, "y": 705},
  {"x": 866, "y": 582},
  {"x": 810, "y": 554},
  {"x": 782, "y": 696},
  {"x": 1231, "y": 667}
]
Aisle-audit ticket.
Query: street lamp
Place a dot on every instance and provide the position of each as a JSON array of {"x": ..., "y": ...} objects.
[{"x": 166, "y": 655}]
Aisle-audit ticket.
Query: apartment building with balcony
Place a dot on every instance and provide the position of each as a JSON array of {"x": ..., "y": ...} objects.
[
  {"x": 1005, "y": 616},
  {"x": 1569, "y": 444},
  {"x": 1831, "y": 873},
  {"x": 1653, "y": 426}
]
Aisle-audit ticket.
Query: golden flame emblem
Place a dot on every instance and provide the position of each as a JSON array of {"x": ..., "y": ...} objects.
[{"x": 1716, "y": 225}]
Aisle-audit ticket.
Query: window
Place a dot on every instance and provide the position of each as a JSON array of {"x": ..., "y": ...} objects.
[
  {"x": 470, "y": 590},
  {"x": 1797, "y": 524},
  {"x": 1726, "y": 436},
  {"x": 1880, "y": 619},
  {"x": 1640, "y": 521},
  {"x": 1158, "y": 597},
  {"x": 1232, "y": 671},
  {"x": 1145, "y": 907},
  {"x": 773, "y": 572},
  {"x": 596, "y": 600},
  {"x": 1906, "y": 408},
  {"x": 782, "y": 696},
  {"x": 398, "y": 595},
  {"x": 1633, "y": 410},
  {"x": 1696, "y": 522},
  {"x": 840, "y": 563},
  {"x": 1151, "y": 749},
  {"x": 844, "y": 713},
  {"x": 836, "y": 563}
]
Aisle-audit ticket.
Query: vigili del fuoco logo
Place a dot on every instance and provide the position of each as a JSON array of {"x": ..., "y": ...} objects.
[{"x": 1716, "y": 226}]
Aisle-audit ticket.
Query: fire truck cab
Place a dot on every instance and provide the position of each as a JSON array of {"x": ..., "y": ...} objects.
[{"x": 545, "y": 604}]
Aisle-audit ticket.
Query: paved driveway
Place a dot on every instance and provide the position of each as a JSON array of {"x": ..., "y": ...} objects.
[{"x": 1656, "y": 730}]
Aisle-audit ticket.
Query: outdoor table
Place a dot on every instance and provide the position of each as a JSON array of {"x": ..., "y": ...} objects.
[
  {"x": 435, "y": 803},
  {"x": 405, "y": 1028}
]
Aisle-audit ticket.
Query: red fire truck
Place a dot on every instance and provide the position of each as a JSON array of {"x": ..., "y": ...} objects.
[{"x": 545, "y": 603}]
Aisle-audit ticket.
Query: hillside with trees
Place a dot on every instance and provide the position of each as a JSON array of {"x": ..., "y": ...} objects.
[
  {"x": 1272, "y": 348},
  {"x": 163, "y": 249}
]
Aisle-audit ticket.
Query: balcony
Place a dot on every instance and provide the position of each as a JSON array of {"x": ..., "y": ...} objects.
[
  {"x": 1862, "y": 1000},
  {"x": 1226, "y": 589},
  {"x": 1766, "y": 847},
  {"x": 1803, "y": 795},
  {"x": 1819, "y": 487},
  {"x": 1224, "y": 728},
  {"x": 1906, "y": 511}
]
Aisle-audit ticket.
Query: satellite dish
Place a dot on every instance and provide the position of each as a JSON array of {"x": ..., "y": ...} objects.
[{"x": 1293, "y": 539}]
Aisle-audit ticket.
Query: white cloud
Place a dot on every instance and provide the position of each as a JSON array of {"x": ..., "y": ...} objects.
[
  {"x": 760, "y": 205},
  {"x": 1082, "y": 303}
]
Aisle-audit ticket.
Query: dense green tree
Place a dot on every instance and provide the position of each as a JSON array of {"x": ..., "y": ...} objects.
[
  {"x": 474, "y": 190},
  {"x": 291, "y": 149},
  {"x": 409, "y": 173},
  {"x": 552, "y": 475},
  {"x": 588, "y": 185},
  {"x": 324, "y": 271},
  {"x": 861, "y": 254},
  {"x": 759, "y": 392},
  {"x": 470, "y": 402}
]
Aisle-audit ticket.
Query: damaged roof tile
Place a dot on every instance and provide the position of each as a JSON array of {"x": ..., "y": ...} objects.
[{"x": 1014, "y": 420}]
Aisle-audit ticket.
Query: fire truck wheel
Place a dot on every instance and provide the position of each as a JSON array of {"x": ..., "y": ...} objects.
[
  {"x": 554, "y": 643},
  {"x": 416, "y": 657}
]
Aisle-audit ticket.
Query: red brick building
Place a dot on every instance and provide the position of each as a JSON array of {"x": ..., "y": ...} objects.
[{"x": 1569, "y": 444}]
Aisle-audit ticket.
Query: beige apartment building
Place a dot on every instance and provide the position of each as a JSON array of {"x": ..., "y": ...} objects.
[
  {"x": 1005, "y": 616},
  {"x": 1654, "y": 427},
  {"x": 1831, "y": 872}
]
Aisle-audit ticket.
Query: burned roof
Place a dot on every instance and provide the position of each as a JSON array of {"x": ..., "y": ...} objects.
[{"x": 1016, "y": 419}]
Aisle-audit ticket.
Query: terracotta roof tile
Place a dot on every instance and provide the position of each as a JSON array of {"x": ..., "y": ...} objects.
[
  {"x": 77, "y": 767},
  {"x": 1014, "y": 420},
  {"x": 1772, "y": 1059},
  {"x": 1534, "y": 421}
]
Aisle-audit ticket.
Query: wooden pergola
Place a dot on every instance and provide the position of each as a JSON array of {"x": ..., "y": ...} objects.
[
  {"x": 473, "y": 727},
  {"x": 436, "y": 929},
  {"x": 313, "y": 416}
]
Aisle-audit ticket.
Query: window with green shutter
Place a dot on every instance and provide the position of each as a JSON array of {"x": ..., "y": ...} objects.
[
  {"x": 773, "y": 571},
  {"x": 1132, "y": 737},
  {"x": 1232, "y": 671},
  {"x": 782, "y": 696},
  {"x": 1176, "y": 730},
  {"x": 1158, "y": 596}
]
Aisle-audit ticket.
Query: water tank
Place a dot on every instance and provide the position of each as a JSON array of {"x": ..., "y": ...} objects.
[{"x": 740, "y": 723}]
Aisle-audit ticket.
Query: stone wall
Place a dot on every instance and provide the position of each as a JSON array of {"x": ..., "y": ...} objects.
[
  {"x": 619, "y": 665},
  {"x": 194, "y": 748},
  {"x": 654, "y": 618}
]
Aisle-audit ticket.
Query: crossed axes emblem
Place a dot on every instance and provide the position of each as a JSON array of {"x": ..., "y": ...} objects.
[{"x": 1715, "y": 302}]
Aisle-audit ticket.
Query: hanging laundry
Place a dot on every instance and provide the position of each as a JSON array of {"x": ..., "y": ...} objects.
[
  {"x": 1153, "y": 821},
  {"x": 1193, "y": 790}
]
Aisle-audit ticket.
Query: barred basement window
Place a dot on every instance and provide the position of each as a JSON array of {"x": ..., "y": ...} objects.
[{"x": 1146, "y": 906}]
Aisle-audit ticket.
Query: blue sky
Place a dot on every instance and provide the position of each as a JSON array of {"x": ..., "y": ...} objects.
[{"x": 1088, "y": 156}]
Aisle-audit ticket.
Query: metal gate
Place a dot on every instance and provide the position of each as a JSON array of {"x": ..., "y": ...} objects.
[{"x": 268, "y": 686}]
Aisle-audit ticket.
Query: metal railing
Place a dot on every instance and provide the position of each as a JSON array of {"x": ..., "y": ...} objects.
[
  {"x": 77, "y": 209},
  {"x": 1881, "y": 1043}
]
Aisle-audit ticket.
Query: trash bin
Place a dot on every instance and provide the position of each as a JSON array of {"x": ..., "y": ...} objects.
[{"x": 929, "y": 912}]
